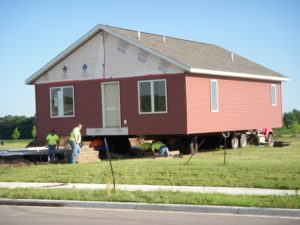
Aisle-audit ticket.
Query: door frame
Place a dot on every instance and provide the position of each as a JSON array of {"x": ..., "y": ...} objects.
[{"x": 103, "y": 103}]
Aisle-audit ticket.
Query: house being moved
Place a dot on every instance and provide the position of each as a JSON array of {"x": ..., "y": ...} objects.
[{"x": 129, "y": 83}]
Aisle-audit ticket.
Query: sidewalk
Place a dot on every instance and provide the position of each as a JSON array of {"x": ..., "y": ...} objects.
[{"x": 127, "y": 187}]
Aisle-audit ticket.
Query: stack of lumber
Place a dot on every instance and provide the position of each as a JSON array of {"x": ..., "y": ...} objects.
[{"x": 87, "y": 154}]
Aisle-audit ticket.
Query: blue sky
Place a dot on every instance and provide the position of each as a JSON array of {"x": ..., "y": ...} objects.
[{"x": 33, "y": 32}]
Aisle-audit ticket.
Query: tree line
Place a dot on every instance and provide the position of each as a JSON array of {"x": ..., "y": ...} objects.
[
  {"x": 291, "y": 120},
  {"x": 17, "y": 127}
]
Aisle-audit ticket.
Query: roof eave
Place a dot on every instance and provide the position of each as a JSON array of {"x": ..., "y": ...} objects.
[{"x": 238, "y": 75}]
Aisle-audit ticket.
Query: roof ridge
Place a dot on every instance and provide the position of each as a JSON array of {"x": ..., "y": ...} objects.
[{"x": 167, "y": 36}]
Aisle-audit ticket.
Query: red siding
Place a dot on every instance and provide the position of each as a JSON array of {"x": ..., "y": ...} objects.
[
  {"x": 87, "y": 96},
  {"x": 243, "y": 104},
  {"x": 88, "y": 109},
  {"x": 172, "y": 122}
]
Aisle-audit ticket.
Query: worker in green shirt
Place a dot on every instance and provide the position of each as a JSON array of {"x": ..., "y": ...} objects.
[
  {"x": 75, "y": 139},
  {"x": 145, "y": 146},
  {"x": 162, "y": 148},
  {"x": 53, "y": 143}
]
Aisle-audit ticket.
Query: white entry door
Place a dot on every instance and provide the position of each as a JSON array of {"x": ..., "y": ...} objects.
[{"x": 111, "y": 104}]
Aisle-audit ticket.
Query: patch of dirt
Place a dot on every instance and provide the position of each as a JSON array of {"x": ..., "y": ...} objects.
[{"x": 15, "y": 163}]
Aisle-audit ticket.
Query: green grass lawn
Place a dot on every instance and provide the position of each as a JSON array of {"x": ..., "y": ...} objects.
[
  {"x": 22, "y": 143},
  {"x": 165, "y": 197},
  {"x": 259, "y": 167}
]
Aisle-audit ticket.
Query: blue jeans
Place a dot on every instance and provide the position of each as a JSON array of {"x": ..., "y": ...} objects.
[
  {"x": 51, "y": 152},
  {"x": 164, "y": 151},
  {"x": 75, "y": 150}
]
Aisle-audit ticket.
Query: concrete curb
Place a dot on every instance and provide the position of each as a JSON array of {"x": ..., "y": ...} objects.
[{"x": 156, "y": 207}]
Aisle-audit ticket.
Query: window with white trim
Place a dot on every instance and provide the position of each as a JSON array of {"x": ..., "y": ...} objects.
[
  {"x": 214, "y": 96},
  {"x": 152, "y": 96},
  {"x": 62, "y": 101},
  {"x": 273, "y": 95}
]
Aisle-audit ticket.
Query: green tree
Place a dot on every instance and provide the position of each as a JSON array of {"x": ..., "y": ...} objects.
[
  {"x": 287, "y": 119},
  {"x": 16, "y": 134},
  {"x": 9, "y": 123},
  {"x": 295, "y": 127},
  {"x": 290, "y": 117}
]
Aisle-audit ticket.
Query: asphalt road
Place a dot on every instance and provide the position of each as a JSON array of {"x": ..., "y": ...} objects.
[{"x": 30, "y": 215}]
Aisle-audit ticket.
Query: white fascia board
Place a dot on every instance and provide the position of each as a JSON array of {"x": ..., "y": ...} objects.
[
  {"x": 145, "y": 48},
  {"x": 239, "y": 75},
  {"x": 62, "y": 55}
]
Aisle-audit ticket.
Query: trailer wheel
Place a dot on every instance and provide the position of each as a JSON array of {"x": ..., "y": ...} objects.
[
  {"x": 234, "y": 142},
  {"x": 184, "y": 146},
  {"x": 271, "y": 140},
  {"x": 243, "y": 141}
]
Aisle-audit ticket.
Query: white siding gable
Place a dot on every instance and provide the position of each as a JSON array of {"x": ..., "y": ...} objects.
[
  {"x": 87, "y": 54},
  {"x": 121, "y": 59}
]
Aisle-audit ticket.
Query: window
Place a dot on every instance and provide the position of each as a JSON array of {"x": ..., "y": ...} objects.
[
  {"x": 152, "y": 96},
  {"x": 62, "y": 101},
  {"x": 214, "y": 95},
  {"x": 273, "y": 94}
]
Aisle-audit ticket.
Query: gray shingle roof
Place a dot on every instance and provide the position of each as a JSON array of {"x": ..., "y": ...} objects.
[
  {"x": 191, "y": 56},
  {"x": 198, "y": 55}
]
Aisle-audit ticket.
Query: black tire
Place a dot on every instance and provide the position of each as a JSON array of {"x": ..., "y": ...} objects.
[
  {"x": 119, "y": 144},
  {"x": 184, "y": 146},
  {"x": 271, "y": 140},
  {"x": 243, "y": 141},
  {"x": 234, "y": 142}
]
